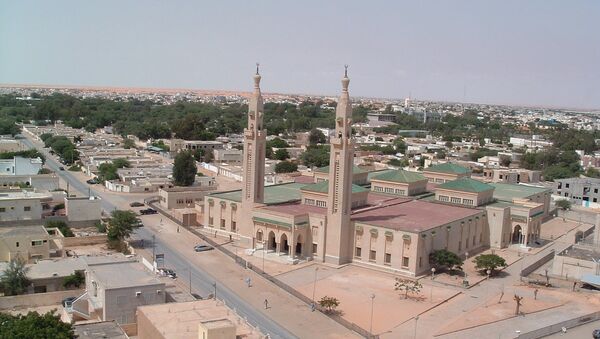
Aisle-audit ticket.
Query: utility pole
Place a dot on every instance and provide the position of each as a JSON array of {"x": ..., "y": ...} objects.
[
  {"x": 190, "y": 269},
  {"x": 153, "y": 249}
]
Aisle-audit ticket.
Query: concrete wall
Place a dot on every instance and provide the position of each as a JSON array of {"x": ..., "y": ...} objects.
[
  {"x": 120, "y": 304},
  {"x": 500, "y": 226},
  {"x": 20, "y": 209},
  {"x": 84, "y": 241},
  {"x": 35, "y": 300},
  {"x": 83, "y": 209},
  {"x": 573, "y": 268}
]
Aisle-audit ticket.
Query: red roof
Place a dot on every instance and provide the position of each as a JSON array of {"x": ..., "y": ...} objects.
[
  {"x": 304, "y": 179},
  {"x": 412, "y": 216}
]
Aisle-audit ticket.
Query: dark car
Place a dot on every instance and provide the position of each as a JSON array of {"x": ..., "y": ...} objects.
[
  {"x": 148, "y": 211},
  {"x": 136, "y": 204},
  {"x": 197, "y": 296},
  {"x": 203, "y": 248},
  {"x": 596, "y": 334},
  {"x": 67, "y": 302},
  {"x": 61, "y": 168},
  {"x": 167, "y": 272},
  {"x": 93, "y": 181}
]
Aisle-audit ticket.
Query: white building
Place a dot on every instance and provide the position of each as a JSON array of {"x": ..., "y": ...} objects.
[{"x": 20, "y": 166}]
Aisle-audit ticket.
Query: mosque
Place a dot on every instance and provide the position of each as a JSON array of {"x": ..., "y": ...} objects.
[{"x": 390, "y": 219}]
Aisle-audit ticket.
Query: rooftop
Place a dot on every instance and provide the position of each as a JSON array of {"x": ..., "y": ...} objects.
[
  {"x": 19, "y": 231},
  {"x": 448, "y": 168},
  {"x": 274, "y": 194},
  {"x": 413, "y": 215},
  {"x": 401, "y": 176},
  {"x": 24, "y": 195},
  {"x": 466, "y": 185},
  {"x": 509, "y": 192},
  {"x": 103, "y": 329},
  {"x": 323, "y": 187},
  {"x": 180, "y": 320},
  {"x": 123, "y": 274},
  {"x": 294, "y": 209}
]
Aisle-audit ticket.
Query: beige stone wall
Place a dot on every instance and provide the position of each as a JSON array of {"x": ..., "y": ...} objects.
[
  {"x": 500, "y": 226},
  {"x": 223, "y": 215},
  {"x": 440, "y": 178},
  {"x": 409, "y": 252},
  {"x": 145, "y": 328},
  {"x": 121, "y": 304},
  {"x": 83, "y": 209},
  {"x": 404, "y": 189},
  {"x": 463, "y": 198},
  {"x": 38, "y": 299},
  {"x": 20, "y": 209},
  {"x": 572, "y": 268},
  {"x": 172, "y": 200},
  {"x": 25, "y": 249}
]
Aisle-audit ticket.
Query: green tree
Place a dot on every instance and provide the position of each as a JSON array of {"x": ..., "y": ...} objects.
[
  {"x": 505, "y": 160},
  {"x": 45, "y": 136},
  {"x": 184, "y": 169},
  {"x": 316, "y": 137},
  {"x": 286, "y": 167},
  {"x": 278, "y": 143},
  {"x": 121, "y": 163},
  {"x": 563, "y": 204},
  {"x": 441, "y": 154},
  {"x": 74, "y": 280},
  {"x": 399, "y": 145},
  {"x": 62, "y": 227},
  {"x": 281, "y": 154},
  {"x": 407, "y": 286},
  {"x": 34, "y": 326},
  {"x": 329, "y": 304},
  {"x": 121, "y": 225},
  {"x": 317, "y": 156},
  {"x": 128, "y": 143},
  {"x": 14, "y": 280},
  {"x": 107, "y": 171},
  {"x": 484, "y": 262},
  {"x": 444, "y": 258}
]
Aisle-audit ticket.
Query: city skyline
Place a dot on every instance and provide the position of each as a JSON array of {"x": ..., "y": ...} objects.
[{"x": 459, "y": 52}]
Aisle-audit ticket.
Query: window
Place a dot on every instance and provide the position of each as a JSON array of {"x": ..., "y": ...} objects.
[
  {"x": 595, "y": 200},
  {"x": 460, "y": 245},
  {"x": 406, "y": 260},
  {"x": 387, "y": 259},
  {"x": 468, "y": 202},
  {"x": 389, "y": 190},
  {"x": 35, "y": 243},
  {"x": 566, "y": 194},
  {"x": 443, "y": 198},
  {"x": 420, "y": 262},
  {"x": 372, "y": 255},
  {"x": 480, "y": 238},
  {"x": 314, "y": 248},
  {"x": 595, "y": 190},
  {"x": 358, "y": 252},
  {"x": 321, "y": 203},
  {"x": 189, "y": 201},
  {"x": 17, "y": 244},
  {"x": 2, "y": 209},
  {"x": 455, "y": 200},
  {"x": 567, "y": 185},
  {"x": 233, "y": 226},
  {"x": 400, "y": 192},
  {"x": 222, "y": 223},
  {"x": 310, "y": 202},
  {"x": 180, "y": 201},
  {"x": 377, "y": 188},
  {"x": 210, "y": 221},
  {"x": 27, "y": 208},
  {"x": 473, "y": 239}
]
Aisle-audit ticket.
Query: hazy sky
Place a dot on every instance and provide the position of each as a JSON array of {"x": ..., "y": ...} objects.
[{"x": 514, "y": 52}]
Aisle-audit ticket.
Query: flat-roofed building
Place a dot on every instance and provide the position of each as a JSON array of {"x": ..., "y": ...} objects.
[
  {"x": 399, "y": 182},
  {"x": 20, "y": 166},
  {"x": 439, "y": 174},
  {"x": 182, "y": 197},
  {"x": 464, "y": 191},
  {"x": 22, "y": 205},
  {"x": 82, "y": 210},
  {"x": 29, "y": 243}
]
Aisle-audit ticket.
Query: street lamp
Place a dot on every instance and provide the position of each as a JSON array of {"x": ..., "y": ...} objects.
[
  {"x": 432, "y": 273},
  {"x": 315, "y": 285},
  {"x": 416, "y": 320},
  {"x": 372, "y": 302},
  {"x": 264, "y": 243}
]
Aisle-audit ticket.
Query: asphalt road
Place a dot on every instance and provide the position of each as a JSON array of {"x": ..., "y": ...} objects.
[{"x": 202, "y": 282}]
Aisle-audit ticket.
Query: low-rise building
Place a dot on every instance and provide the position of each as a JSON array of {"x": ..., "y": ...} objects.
[
  {"x": 229, "y": 156},
  {"x": 83, "y": 210},
  {"x": 182, "y": 197},
  {"x": 399, "y": 182},
  {"x": 511, "y": 176},
  {"x": 580, "y": 191},
  {"x": 206, "y": 319},
  {"x": 439, "y": 174},
  {"x": 22, "y": 205},
  {"x": 49, "y": 275},
  {"x": 114, "y": 290},
  {"x": 20, "y": 166},
  {"x": 29, "y": 243}
]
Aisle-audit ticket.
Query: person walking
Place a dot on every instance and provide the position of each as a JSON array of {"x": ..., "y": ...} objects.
[{"x": 266, "y": 304}]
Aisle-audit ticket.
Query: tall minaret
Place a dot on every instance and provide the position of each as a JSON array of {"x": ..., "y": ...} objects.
[
  {"x": 253, "y": 188},
  {"x": 338, "y": 238}
]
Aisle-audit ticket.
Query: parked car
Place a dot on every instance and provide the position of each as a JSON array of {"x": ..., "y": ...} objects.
[
  {"x": 136, "y": 204},
  {"x": 197, "y": 296},
  {"x": 61, "y": 168},
  {"x": 93, "y": 181},
  {"x": 167, "y": 272},
  {"x": 596, "y": 334},
  {"x": 203, "y": 248},
  {"x": 148, "y": 211}
]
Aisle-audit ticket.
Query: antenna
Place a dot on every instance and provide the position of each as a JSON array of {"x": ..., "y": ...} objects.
[
  {"x": 257, "y": 65},
  {"x": 345, "y": 71}
]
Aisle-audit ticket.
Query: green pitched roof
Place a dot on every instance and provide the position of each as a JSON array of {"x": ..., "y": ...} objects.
[
  {"x": 448, "y": 168},
  {"x": 355, "y": 169},
  {"x": 466, "y": 185},
  {"x": 508, "y": 192},
  {"x": 323, "y": 187},
  {"x": 274, "y": 194},
  {"x": 400, "y": 176}
]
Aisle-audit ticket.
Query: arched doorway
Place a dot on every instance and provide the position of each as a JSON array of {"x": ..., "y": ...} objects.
[
  {"x": 271, "y": 243},
  {"x": 516, "y": 236},
  {"x": 299, "y": 245},
  {"x": 285, "y": 248}
]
